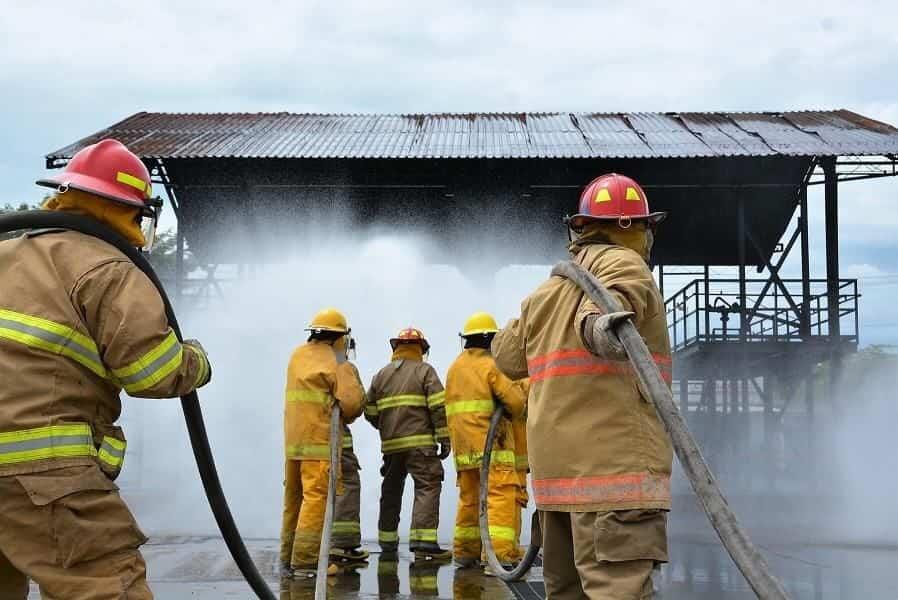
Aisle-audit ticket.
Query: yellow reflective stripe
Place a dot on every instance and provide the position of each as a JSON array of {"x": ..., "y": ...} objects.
[
  {"x": 152, "y": 367},
  {"x": 401, "y": 400},
  {"x": 521, "y": 463},
  {"x": 436, "y": 400},
  {"x": 422, "y": 535},
  {"x": 497, "y": 532},
  {"x": 313, "y": 396},
  {"x": 371, "y": 410},
  {"x": 388, "y": 536},
  {"x": 407, "y": 442},
  {"x": 498, "y": 457},
  {"x": 442, "y": 432},
  {"x": 52, "y": 441},
  {"x": 347, "y": 442},
  {"x": 51, "y": 337},
  {"x": 467, "y": 533},
  {"x": 135, "y": 182},
  {"x": 423, "y": 581},
  {"x": 109, "y": 459},
  {"x": 345, "y": 527},
  {"x": 469, "y": 406},
  {"x": 316, "y": 451}
]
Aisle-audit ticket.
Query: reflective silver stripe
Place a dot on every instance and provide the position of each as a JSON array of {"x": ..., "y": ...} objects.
[
  {"x": 45, "y": 442},
  {"x": 151, "y": 368},
  {"x": 109, "y": 449},
  {"x": 56, "y": 339}
]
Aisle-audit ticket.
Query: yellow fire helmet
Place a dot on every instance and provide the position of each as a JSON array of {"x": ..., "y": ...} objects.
[
  {"x": 480, "y": 323},
  {"x": 329, "y": 319}
]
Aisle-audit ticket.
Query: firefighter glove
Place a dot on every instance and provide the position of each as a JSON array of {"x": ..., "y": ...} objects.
[
  {"x": 197, "y": 346},
  {"x": 600, "y": 335},
  {"x": 445, "y": 450}
]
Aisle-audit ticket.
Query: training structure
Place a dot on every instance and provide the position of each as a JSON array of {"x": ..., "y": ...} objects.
[{"x": 746, "y": 345}]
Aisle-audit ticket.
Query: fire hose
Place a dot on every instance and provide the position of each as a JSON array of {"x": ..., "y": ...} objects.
[
  {"x": 324, "y": 550},
  {"x": 532, "y": 552},
  {"x": 190, "y": 404},
  {"x": 734, "y": 538}
]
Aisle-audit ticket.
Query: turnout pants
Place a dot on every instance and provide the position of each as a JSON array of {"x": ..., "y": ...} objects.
[
  {"x": 426, "y": 470},
  {"x": 69, "y": 531},
  {"x": 305, "y": 497},
  {"x": 347, "y": 532},
  {"x": 502, "y": 506},
  {"x": 602, "y": 555},
  {"x": 521, "y": 501}
]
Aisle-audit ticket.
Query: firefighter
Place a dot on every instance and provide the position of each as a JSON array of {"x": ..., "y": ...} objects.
[
  {"x": 78, "y": 323},
  {"x": 319, "y": 379},
  {"x": 474, "y": 386},
  {"x": 599, "y": 455},
  {"x": 406, "y": 405},
  {"x": 346, "y": 536}
]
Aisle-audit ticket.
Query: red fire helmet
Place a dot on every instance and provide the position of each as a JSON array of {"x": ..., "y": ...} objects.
[
  {"x": 613, "y": 197},
  {"x": 410, "y": 335}
]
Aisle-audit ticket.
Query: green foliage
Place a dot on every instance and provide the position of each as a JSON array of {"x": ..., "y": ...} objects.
[
  {"x": 8, "y": 208},
  {"x": 164, "y": 258}
]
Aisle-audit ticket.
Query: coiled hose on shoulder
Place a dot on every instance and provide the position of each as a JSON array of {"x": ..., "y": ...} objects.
[
  {"x": 734, "y": 538},
  {"x": 193, "y": 415},
  {"x": 532, "y": 552}
]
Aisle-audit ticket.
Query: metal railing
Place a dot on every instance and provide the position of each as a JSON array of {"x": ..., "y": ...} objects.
[{"x": 718, "y": 310}]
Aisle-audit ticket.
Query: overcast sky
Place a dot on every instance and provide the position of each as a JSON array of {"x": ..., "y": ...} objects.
[{"x": 69, "y": 69}]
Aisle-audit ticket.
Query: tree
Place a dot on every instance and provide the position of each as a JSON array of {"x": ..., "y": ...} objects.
[
  {"x": 164, "y": 256},
  {"x": 8, "y": 208}
]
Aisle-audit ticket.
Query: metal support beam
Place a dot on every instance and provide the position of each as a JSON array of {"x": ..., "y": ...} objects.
[
  {"x": 740, "y": 234},
  {"x": 805, "y": 326},
  {"x": 179, "y": 263},
  {"x": 831, "y": 192}
]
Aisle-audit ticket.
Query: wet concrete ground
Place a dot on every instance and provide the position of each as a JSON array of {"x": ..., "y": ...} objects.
[{"x": 201, "y": 569}]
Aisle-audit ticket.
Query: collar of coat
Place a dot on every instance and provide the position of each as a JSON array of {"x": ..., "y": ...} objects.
[{"x": 408, "y": 352}]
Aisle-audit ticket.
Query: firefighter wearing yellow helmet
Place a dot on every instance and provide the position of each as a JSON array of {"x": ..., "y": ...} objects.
[
  {"x": 79, "y": 322},
  {"x": 474, "y": 388},
  {"x": 600, "y": 457},
  {"x": 320, "y": 379}
]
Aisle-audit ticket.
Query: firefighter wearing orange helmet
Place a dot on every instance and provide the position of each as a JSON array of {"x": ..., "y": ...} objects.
[
  {"x": 406, "y": 405},
  {"x": 320, "y": 379},
  {"x": 474, "y": 388},
  {"x": 600, "y": 457},
  {"x": 79, "y": 322}
]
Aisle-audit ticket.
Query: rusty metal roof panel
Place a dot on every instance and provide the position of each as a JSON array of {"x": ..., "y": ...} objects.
[{"x": 497, "y": 135}]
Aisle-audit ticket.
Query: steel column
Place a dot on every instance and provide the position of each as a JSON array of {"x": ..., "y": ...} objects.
[
  {"x": 805, "y": 263},
  {"x": 831, "y": 192}
]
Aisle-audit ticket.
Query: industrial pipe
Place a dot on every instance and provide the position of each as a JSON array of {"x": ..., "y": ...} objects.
[
  {"x": 734, "y": 538},
  {"x": 532, "y": 552},
  {"x": 193, "y": 415},
  {"x": 324, "y": 549}
]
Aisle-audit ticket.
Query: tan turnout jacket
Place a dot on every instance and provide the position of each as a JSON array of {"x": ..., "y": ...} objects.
[
  {"x": 596, "y": 443},
  {"x": 315, "y": 381},
  {"x": 474, "y": 387},
  {"x": 79, "y": 322},
  {"x": 406, "y": 403}
]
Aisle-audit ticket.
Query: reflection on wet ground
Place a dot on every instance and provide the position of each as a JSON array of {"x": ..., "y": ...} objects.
[{"x": 201, "y": 569}]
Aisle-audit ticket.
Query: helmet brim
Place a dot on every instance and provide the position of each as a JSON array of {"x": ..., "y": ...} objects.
[
  {"x": 581, "y": 220},
  {"x": 396, "y": 342},
  {"x": 91, "y": 185},
  {"x": 478, "y": 332}
]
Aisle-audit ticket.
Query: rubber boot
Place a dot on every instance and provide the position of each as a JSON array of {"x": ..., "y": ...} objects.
[
  {"x": 430, "y": 551},
  {"x": 309, "y": 573},
  {"x": 488, "y": 570},
  {"x": 348, "y": 555},
  {"x": 466, "y": 563}
]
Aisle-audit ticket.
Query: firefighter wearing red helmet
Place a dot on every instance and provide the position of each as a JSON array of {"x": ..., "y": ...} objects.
[
  {"x": 79, "y": 322},
  {"x": 600, "y": 458},
  {"x": 406, "y": 404}
]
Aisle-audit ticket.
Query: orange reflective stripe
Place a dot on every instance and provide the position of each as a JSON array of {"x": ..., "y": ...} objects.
[
  {"x": 579, "y": 361},
  {"x": 606, "y": 489}
]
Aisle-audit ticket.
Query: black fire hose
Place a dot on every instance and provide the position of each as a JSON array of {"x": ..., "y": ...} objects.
[
  {"x": 486, "y": 539},
  {"x": 193, "y": 415},
  {"x": 734, "y": 538},
  {"x": 324, "y": 550}
]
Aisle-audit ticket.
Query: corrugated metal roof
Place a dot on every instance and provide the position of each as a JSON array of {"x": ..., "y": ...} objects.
[{"x": 497, "y": 135}]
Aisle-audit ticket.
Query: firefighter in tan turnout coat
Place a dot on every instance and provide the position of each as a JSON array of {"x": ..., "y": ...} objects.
[
  {"x": 406, "y": 403},
  {"x": 79, "y": 322},
  {"x": 600, "y": 457}
]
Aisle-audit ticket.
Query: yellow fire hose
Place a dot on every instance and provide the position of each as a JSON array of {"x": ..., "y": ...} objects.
[
  {"x": 336, "y": 442},
  {"x": 734, "y": 538},
  {"x": 532, "y": 552}
]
